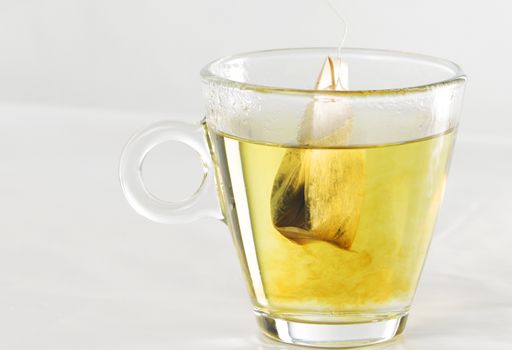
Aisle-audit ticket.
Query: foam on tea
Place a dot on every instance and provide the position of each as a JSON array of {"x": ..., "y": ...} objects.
[{"x": 317, "y": 195}]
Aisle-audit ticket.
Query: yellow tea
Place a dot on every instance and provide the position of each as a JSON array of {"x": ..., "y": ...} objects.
[{"x": 398, "y": 196}]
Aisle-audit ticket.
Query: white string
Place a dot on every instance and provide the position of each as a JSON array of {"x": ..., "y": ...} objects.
[
  {"x": 338, "y": 14},
  {"x": 343, "y": 22}
]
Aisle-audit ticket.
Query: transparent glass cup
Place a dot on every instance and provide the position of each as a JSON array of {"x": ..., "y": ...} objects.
[{"x": 331, "y": 196}]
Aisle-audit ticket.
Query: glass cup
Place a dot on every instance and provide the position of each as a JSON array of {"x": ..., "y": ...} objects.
[{"x": 331, "y": 196}]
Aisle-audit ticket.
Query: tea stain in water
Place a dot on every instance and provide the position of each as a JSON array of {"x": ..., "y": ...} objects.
[{"x": 403, "y": 185}]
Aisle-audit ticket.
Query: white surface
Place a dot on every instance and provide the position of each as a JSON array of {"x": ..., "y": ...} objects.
[
  {"x": 80, "y": 270},
  {"x": 146, "y": 55}
]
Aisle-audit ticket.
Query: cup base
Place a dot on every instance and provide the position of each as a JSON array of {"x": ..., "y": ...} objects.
[{"x": 331, "y": 335}]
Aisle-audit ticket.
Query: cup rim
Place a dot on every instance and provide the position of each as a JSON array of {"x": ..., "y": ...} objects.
[{"x": 207, "y": 74}]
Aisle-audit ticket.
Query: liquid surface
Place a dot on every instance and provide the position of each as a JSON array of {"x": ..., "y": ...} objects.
[{"x": 398, "y": 195}]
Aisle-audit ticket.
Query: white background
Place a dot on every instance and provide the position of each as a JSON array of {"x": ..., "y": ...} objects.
[{"x": 80, "y": 270}]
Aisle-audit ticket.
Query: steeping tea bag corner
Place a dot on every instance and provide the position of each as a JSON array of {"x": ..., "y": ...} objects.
[{"x": 318, "y": 190}]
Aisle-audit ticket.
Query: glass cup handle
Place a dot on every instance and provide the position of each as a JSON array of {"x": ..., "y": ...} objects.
[{"x": 201, "y": 203}]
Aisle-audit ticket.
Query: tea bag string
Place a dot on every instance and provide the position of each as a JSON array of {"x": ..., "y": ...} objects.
[{"x": 344, "y": 24}]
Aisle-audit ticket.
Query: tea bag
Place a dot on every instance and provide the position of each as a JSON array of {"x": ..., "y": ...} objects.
[{"x": 318, "y": 192}]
